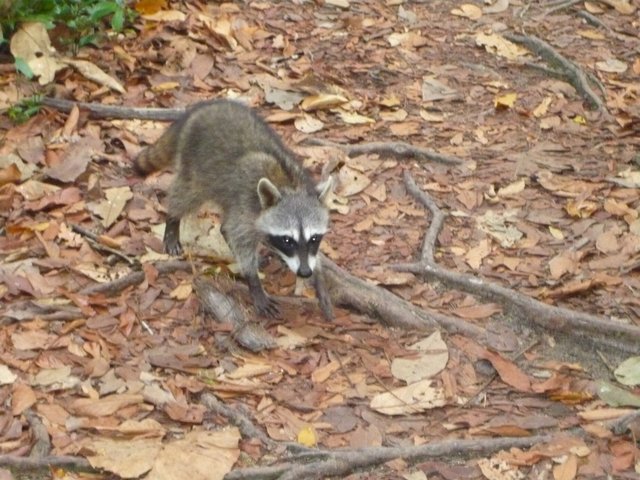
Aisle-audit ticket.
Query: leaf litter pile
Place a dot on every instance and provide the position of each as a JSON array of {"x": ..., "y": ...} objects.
[{"x": 110, "y": 360}]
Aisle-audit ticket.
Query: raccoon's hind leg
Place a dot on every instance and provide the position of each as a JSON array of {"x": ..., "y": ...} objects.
[
  {"x": 183, "y": 199},
  {"x": 244, "y": 244}
]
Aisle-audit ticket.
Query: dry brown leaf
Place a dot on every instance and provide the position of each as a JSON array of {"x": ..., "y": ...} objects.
[
  {"x": 10, "y": 174},
  {"x": 94, "y": 73},
  {"x": 567, "y": 470},
  {"x": 477, "y": 312},
  {"x": 200, "y": 455},
  {"x": 128, "y": 457},
  {"x": 432, "y": 359},
  {"x": 500, "y": 46},
  {"x": 104, "y": 406},
  {"x": 478, "y": 253},
  {"x": 414, "y": 398},
  {"x": 468, "y": 10},
  {"x": 22, "y": 398}
]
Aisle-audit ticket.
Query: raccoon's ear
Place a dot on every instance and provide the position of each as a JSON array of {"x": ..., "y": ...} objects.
[
  {"x": 323, "y": 189},
  {"x": 268, "y": 193}
]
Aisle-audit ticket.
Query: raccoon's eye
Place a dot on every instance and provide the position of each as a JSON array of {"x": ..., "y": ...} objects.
[
  {"x": 315, "y": 239},
  {"x": 283, "y": 243}
]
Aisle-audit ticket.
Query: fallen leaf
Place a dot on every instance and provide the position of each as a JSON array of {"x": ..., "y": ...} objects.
[
  {"x": 414, "y": 398},
  {"x": 6, "y": 375},
  {"x": 468, "y": 10},
  {"x": 166, "y": 16},
  {"x": 200, "y": 455},
  {"x": 500, "y": 46},
  {"x": 498, "y": 7},
  {"x": 31, "y": 43},
  {"x": 505, "y": 101},
  {"x": 308, "y": 124},
  {"x": 322, "y": 101},
  {"x": 628, "y": 372},
  {"x": 126, "y": 457},
  {"x": 111, "y": 208},
  {"x": 478, "y": 253},
  {"x": 567, "y": 469},
  {"x": 104, "y": 406},
  {"x": 432, "y": 359},
  {"x": 308, "y": 437},
  {"x": 94, "y": 73}
]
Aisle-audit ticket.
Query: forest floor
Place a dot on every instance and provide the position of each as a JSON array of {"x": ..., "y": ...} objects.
[{"x": 545, "y": 201}]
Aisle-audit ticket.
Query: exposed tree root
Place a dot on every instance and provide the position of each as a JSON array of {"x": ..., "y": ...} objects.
[
  {"x": 351, "y": 292},
  {"x": 396, "y": 149},
  {"x": 36, "y": 463},
  {"x": 98, "y": 110},
  {"x": 574, "y": 74},
  {"x": 336, "y": 463},
  {"x": 589, "y": 328}
]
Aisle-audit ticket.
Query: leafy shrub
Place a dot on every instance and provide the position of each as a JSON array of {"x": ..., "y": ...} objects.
[{"x": 81, "y": 19}]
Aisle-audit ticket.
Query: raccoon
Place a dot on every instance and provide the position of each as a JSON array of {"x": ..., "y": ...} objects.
[{"x": 223, "y": 151}]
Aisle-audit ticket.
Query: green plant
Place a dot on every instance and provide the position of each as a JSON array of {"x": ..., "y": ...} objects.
[
  {"x": 80, "y": 20},
  {"x": 25, "y": 109}
]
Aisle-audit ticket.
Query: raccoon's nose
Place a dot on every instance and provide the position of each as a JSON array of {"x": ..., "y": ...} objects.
[{"x": 304, "y": 272}]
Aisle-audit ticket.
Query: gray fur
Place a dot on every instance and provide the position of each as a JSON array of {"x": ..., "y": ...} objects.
[{"x": 222, "y": 151}]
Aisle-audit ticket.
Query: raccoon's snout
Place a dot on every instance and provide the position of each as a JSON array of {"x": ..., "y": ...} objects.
[{"x": 304, "y": 271}]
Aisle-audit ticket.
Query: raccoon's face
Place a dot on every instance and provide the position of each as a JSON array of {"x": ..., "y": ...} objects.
[{"x": 294, "y": 226}]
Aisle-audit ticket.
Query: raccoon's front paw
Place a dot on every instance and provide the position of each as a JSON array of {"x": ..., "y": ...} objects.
[
  {"x": 266, "y": 306},
  {"x": 173, "y": 247},
  {"x": 171, "y": 238}
]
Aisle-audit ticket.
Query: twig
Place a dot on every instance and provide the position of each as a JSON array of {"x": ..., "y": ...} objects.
[
  {"x": 116, "y": 286},
  {"x": 98, "y": 110},
  {"x": 246, "y": 426},
  {"x": 593, "y": 20},
  {"x": 561, "y": 6},
  {"x": 575, "y": 75},
  {"x": 397, "y": 149},
  {"x": 96, "y": 242},
  {"x": 67, "y": 462},
  {"x": 614, "y": 335}
]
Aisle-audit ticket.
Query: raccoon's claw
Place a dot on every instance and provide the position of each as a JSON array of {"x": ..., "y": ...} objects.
[
  {"x": 267, "y": 307},
  {"x": 173, "y": 248},
  {"x": 171, "y": 238}
]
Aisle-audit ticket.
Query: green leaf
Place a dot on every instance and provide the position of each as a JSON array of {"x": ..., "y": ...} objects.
[
  {"x": 103, "y": 9},
  {"x": 628, "y": 372},
  {"x": 24, "y": 68},
  {"x": 117, "y": 22}
]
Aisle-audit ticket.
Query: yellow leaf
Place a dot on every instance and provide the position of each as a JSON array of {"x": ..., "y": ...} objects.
[
  {"x": 308, "y": 437},
  {"x": 506, "y": 101},
  {"x": 512, "y": 189},
  {"x": 182, "y": 291},
  {"x": 581, "y": 209},
  {"x": 556, "y": 233},
  {"x": 165, "y": 86},
  {"x": 324, "y": 100},
  {"x": 148, "y": 7},
  {"x": 468, "y": 11},
  {"x": 542, "y": 108},
  {"x": 580, "y": 120}
]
